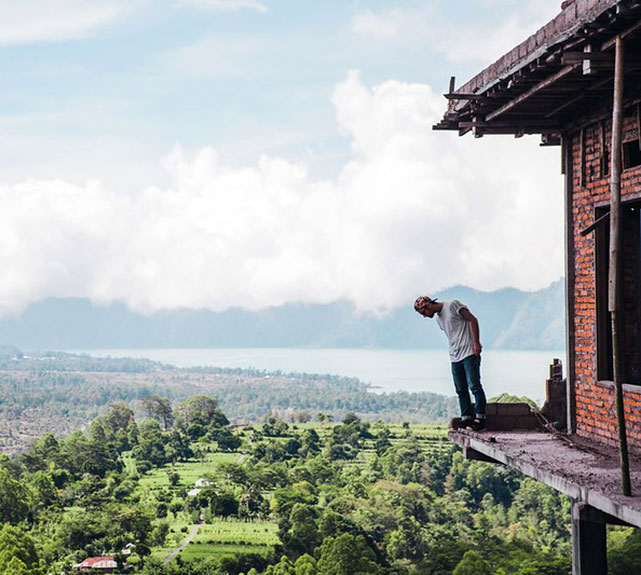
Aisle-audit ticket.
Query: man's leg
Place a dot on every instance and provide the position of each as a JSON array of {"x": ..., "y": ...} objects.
[
  {"x": 472, "y": 367},
  {"x": 460, "y": 384}
]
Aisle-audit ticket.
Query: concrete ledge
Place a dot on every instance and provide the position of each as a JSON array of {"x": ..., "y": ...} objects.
[
  {"x": 503, "y": 409},
  {"x": 507, "y": 417},
  {"x": 585, "y": 471}
]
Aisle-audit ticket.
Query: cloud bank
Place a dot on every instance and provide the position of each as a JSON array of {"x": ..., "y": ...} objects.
[{"x": 412, "y": 211}]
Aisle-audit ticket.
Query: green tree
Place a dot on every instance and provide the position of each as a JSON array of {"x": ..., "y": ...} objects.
[
  {"x": 305, "y": 565},
  {"x": 199, "y": 415},
  {"x": 624, "y": 551},
  {"x": 347, "y": 555},
  {"x": 283, "y": 567},
  {"x": 310, "y": 442},
  {"x": 44, "y": 490},
  {"x": 151, "y": 443},
  {"x": 15, "y": 567},
  {"x": 14, "y": 499},
  {"x": 472, "y": 564},
  {"x": 17, "y": 551},
  {"x": 224, "y": 504},
  {"x": 159, "y": 408},
  {"x": 302, "y": 535},
  {"x": 226, "y": 440}
]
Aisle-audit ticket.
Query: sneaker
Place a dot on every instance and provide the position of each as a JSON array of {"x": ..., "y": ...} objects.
[
  {"x": 477, "y": 425},
  {"x": 458, "y": 423}
]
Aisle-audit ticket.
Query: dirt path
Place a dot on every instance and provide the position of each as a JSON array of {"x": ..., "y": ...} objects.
[
  {"x": 187, "y": 539},
  {"x": 197, "y": 527}
]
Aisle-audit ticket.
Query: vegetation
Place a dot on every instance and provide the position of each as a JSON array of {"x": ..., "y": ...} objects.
[
  {"x": 312, "y": 498},
  {"x": 171, "y": 487},
  {"x": 58, "y": 392}
]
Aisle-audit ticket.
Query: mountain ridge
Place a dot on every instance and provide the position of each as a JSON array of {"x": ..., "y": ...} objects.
[{"x": 509, "y": 318}]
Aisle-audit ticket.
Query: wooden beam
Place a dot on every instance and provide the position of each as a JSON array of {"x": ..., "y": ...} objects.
[
  {"x": 603, "y": 159},
  {"x": 580, "y": 96},
  {"x": 512, "y": 131},
  {"x": 614, "y": 302},
  {"x": 623, "y": 35},
  {"x": 639, "y": 123},
  {"x": 458, "y": 96},
  {"x": 576, "y": 57},
  {"x": 549, "y": 140},
  {"x": 536, "y": 127},
  {"x": 593, "y": 226},
  {"x": 582, "y": 158},
  {"x": 562, "y": 73},
  {"x": 601, "y": 60}
]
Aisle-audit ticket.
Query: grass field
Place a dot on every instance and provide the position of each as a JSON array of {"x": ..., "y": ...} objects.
[
  {"x": 222, "y": 537},
  {"x": 230, "y": 537},
  {"x": 189, "y": 472},
  {"x": 208, "y": 550}
]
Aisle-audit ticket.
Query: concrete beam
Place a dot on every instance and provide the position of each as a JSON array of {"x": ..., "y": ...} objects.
[
  {"x": 589, "y": 548},
  {"x": 474, "y": 455}
]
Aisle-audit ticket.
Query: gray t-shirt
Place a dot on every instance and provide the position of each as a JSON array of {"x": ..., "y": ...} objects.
[{"x": 457, "y": 329}]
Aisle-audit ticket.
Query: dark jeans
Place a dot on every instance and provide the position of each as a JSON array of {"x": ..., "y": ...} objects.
[{"x": 467, "y": 376}]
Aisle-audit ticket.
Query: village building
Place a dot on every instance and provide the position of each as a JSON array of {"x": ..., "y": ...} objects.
[
  {"x": 577, "y": 83},
  {"x": 97, "y": 565}
]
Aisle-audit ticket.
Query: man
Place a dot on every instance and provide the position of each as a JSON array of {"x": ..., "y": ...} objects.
[{"x": 463, "y": 335}]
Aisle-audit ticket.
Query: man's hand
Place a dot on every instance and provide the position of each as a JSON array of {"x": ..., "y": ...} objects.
[{"x": 478, "y": 348}]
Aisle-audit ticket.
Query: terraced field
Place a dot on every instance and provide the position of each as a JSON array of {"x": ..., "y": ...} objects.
[
  {"x": 228, "y": 537},
  {"x": 224, "y": 537}
]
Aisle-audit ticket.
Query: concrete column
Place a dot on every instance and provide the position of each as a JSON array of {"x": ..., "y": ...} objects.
[{"x": 589, "y": 551}]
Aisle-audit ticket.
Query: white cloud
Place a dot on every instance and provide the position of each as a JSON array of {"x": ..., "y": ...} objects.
[
  {"x": 382, "y": 25},
  {"x": 29, "y": 21},
  {"x": 413, "y": 210},
  {"x": 228, "y": 5}
]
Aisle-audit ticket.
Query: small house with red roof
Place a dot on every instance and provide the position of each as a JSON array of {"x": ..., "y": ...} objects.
[{"x": 97, "y": 565}]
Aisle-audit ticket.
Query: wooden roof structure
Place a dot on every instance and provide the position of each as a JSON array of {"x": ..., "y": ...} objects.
[{"x": 546, "y": 84}]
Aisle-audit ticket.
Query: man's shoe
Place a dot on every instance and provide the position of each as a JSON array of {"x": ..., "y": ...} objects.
[
  {"x": 477, "y": 425},
  {"x": 458, "y": 423}
]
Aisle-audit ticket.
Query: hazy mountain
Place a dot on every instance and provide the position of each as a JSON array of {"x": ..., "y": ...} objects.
[{"x": 509, "y": 319}]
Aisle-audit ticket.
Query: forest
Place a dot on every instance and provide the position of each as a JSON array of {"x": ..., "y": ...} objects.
[{"x": 314, "y": 497}]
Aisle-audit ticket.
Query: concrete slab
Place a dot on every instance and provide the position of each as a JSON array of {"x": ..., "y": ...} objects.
[{"x": 585, "y": 470}]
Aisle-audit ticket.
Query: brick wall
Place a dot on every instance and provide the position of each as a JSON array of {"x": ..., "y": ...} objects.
[{"x": 595, "y": 401}]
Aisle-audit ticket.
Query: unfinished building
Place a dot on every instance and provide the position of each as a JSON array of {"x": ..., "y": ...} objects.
[{"x": 577, "y": 83}]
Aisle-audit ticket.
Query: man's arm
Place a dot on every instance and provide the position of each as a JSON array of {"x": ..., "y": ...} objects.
[{"x": 467, "y": 315}]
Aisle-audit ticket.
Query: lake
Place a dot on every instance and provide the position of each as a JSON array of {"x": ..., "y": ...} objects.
[{"x": 514, "y": 372}]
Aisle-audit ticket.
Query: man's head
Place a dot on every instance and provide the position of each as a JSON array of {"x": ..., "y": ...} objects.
[{"x": 426, "y": 306}]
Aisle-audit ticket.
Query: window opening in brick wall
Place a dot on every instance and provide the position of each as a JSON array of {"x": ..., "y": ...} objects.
[
  {"x": 605, "y": 152},
  {"x": 630, "y": 344},
  {"x": 631, "y": 154},
  {"x": 605, "y": 163}
]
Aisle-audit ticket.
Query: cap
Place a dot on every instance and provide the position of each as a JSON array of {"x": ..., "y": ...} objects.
[{"x": 422, "y": 301}]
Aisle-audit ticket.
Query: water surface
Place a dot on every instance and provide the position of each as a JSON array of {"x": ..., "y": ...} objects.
[{"x": 515, "y": 372}]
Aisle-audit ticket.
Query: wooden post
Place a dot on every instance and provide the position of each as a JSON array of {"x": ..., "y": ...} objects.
[{"x": 615, "y": 248}]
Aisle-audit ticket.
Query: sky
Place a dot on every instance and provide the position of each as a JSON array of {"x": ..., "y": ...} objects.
[{"x": 249, "y": 153}]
